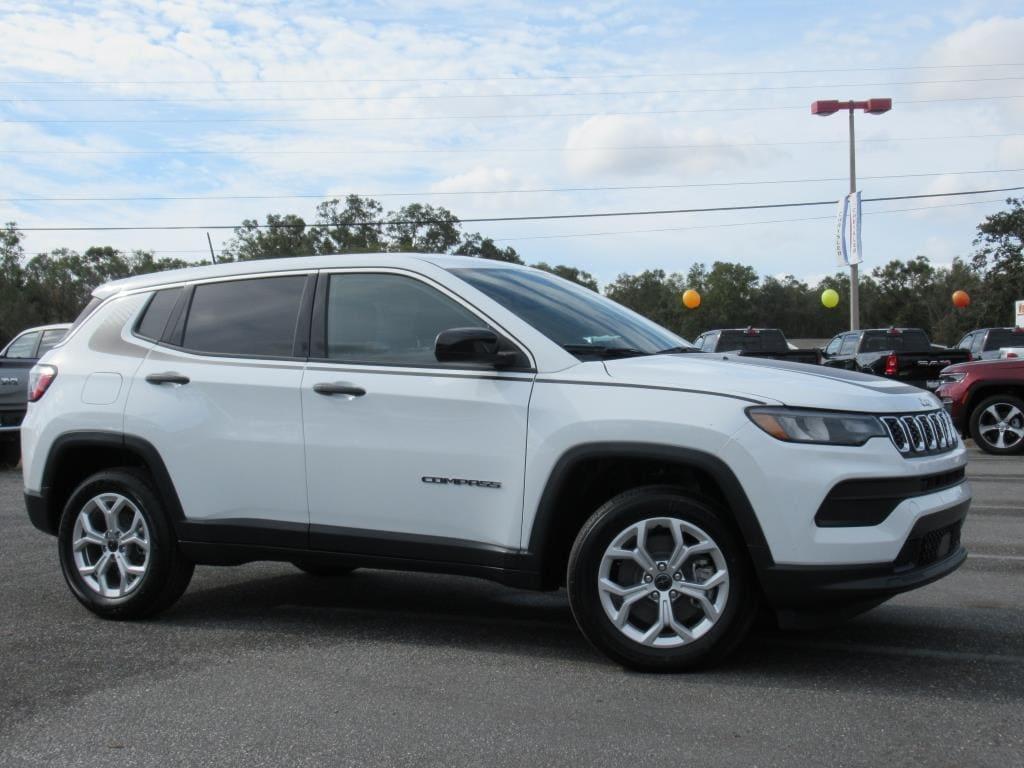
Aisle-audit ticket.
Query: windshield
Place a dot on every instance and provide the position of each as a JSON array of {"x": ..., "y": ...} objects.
[
  {"x": 579, "y": 320},
  {"x": 901, "y": 341}
]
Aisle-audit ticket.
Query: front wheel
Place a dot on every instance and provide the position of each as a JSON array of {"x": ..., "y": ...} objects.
[
  {"x": 997, "y": 425},
  {"x": 658, "y": 581}
]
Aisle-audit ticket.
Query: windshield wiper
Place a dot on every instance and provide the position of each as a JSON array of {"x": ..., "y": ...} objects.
[
  {"x": 675, "y": 350},
  {"x": 599, "y": 350}
]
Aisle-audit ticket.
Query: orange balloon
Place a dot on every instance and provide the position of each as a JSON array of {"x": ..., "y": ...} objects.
[
  {"x": 691, "y": 299},
  {"x": 961, "y": 299}
]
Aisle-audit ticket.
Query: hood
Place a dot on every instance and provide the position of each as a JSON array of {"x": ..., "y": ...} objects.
[
  {"x": 989, "y": 366},
  {"x": 773, "y": 382}
]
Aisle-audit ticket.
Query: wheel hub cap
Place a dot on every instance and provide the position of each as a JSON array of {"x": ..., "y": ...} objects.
[
  {"x": 688, "y": 574},
  {"x": 110, "y": 545}
]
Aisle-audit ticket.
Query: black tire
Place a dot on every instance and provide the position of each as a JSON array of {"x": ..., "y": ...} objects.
[
  {"x": 614, "y": 517},
  {"x": 168, "y": 572},
  {"x": 986, "y": 439},
  {"x": 322, "y": 571}
]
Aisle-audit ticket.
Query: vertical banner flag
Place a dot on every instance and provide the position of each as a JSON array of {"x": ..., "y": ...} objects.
[
  {"x": 849, "y": 249},
  {"x": 841, "y": 256}
]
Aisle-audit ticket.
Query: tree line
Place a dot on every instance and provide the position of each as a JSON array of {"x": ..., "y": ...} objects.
[{"x": 54, "y": 286}]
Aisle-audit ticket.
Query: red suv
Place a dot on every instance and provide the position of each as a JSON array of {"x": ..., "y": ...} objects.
[{"x": 986, "y": 400}]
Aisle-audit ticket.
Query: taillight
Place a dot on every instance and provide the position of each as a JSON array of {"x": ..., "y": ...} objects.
[
  {"x": 892, "y": 365},
  {"x": 39, "y": 380}
]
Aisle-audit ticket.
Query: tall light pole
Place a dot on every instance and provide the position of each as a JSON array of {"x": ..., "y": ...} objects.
[{"x": 872, "y": 107}]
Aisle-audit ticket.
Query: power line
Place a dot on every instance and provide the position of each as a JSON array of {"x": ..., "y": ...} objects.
[
  {"x": 420, "y": 118},
  {"x": 536, "y": 217},
  {"x": 427, "y": 193},
  {"x": 425, "y": 97},
  {"x": 494, "y": 150},
  {"x": 728, "y": 224},
  {"x": 486, "y": 78}
]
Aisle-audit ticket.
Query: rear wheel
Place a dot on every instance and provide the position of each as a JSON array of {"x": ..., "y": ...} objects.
[
  {"x": 658, "y": 581},
  {"x": 117, "y": 549},
  {"x": 997, "y": 424}
]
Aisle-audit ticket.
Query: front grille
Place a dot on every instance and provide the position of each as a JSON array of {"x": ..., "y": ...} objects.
[
  {"x": 931, "y": 547},
  {"x": 922, "y": 434}
]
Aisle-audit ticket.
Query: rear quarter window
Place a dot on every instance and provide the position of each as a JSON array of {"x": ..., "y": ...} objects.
[{"x": 156, "y": 314}]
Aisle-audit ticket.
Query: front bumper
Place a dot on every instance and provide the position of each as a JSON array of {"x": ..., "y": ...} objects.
[{"x": 931, "y": 551}]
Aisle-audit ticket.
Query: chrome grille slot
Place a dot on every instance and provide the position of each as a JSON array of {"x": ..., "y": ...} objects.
[{"x": 921, "y": 434}]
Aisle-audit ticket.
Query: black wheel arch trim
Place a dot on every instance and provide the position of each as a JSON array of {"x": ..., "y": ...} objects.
[{"x": 739, "y": 504}]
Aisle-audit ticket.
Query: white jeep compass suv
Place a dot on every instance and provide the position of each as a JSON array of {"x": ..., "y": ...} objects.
[{"x": 450, "y": 414}]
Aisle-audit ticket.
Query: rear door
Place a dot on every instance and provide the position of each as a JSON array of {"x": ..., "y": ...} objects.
[
  {"x": 218, "y": 398},
  {"x": 400, "y": 448}
]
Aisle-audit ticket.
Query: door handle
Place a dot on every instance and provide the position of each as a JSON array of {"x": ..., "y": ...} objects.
[
  {"x": 167, "y": 378},
  {"x": 338, "y": 388}
]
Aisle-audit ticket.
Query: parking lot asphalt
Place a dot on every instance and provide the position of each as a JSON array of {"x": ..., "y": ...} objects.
[{"x": 261, "y": 665}]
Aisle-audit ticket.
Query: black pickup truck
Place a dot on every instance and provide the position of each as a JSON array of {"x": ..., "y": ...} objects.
[
  {"x": 903, "y": 354},
  {"x": 755, "y": 342},
  {"x": 16, "y": 360}
]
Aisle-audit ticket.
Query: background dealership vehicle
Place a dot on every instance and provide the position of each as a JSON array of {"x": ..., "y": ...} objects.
[
  {"x": 755, "y": 342},
  {"x": 988, "y": 343},
  {"x": 903, "y": 354},
  {"x": 1010, "y": 353},
  {"x": 16, "y": 360},
  {"x": 451, "y": 414},
  {"x": 986, "y": 400}
]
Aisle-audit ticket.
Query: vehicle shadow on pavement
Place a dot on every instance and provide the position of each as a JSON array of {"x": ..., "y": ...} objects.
[{"x": 893, "y": 648}]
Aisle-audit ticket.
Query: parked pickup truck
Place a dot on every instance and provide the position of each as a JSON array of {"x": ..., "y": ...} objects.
[
  {"x": 988, "y": 343},
  {"x": 16, "y": 359},
  {"x": 986, "y": 400},
  {"x": 756, "y": 342},
  {"x": 904, "y": 354}
]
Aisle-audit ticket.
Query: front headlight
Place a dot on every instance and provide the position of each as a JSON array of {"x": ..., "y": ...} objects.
[
  {"x": 795, "y": 425},
  {"x": 952, "y": 378}
]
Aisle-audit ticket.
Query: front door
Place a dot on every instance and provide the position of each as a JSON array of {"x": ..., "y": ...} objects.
[{"x": 401, "y": 449}]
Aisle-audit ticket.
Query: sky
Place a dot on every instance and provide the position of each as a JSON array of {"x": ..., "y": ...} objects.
[{"x": 511, "y": 108}]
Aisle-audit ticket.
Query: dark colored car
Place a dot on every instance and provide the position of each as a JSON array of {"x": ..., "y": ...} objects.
[
  {"x": 986, "y": 400},
  {"x": 755, "y": 342},
  {"x": 985, "y": 343},
  {"x": 903, "y": 354},
  {"x": 16, "y": 360}
]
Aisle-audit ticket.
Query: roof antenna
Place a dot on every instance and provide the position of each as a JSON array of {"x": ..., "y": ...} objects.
[{"x": 212, "y": 255}]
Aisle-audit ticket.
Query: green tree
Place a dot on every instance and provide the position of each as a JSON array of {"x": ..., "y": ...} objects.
[
  {"x": 573, "y": 274},
  {"x": 354, "y": 228},
  {"x": 422, "y": 229},
  {"x": 1000, "y": 256},
  {"x": 282, "y": 236},
  {"x": 481, "y": 247}
]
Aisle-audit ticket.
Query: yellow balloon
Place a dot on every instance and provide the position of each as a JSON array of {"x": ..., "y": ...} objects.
[
  {"x": 691, "y": 299},
  {"x": 830, "y": 298}
]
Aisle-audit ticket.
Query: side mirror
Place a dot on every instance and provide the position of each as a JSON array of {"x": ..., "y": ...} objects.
[{"x": 466, "y": 345}]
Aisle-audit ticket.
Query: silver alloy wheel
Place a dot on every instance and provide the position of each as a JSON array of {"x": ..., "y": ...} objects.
[
  {"x": 1001, "y": 425},
  {"x": 663, "y": 582},
  {"x": 110, "y": 544}
]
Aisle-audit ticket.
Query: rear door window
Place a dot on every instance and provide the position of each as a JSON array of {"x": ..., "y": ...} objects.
[
  {"x": 252, "y": 318},
  {"x": 51, "y": 338},
  {"x": 24, "y": 346}
]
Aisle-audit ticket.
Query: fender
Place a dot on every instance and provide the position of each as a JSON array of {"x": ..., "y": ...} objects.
[{"x": 735, "y": 496}]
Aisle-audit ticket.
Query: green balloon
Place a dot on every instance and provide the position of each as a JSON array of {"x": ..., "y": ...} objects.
[{"x": 830, "y": 298}]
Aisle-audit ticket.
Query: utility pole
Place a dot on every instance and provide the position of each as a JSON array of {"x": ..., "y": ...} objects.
[
  {"x": 210, "y": 242},
  {"x": 872, "y": 107}
]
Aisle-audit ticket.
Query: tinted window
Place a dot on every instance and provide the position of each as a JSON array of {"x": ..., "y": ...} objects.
[
  {"x": 965, "y": 342},
  {"x": 569, "y": 315},
  {"x": 1004, "y": 337},
  {"x": 245, "y": 317},
  {"x": 154, "y": 319},
  {"x": 833, "y": 346},
  {"x": 24, "y": 346},
  {"x": 902, "y": 341},
  {"x": 763, "y": 341},
  {"x": 849, "y": 346},
  {"x": 979, "y": 344},
  {"x": 389, "y": 319},
  {"x": 50, "y": 339}
]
